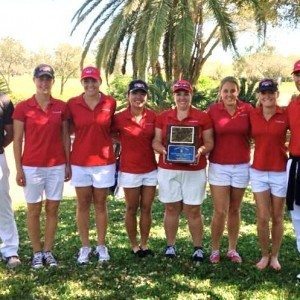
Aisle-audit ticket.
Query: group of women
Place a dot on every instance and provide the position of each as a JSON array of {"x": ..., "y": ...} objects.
[{"x": 224, "y": 135}]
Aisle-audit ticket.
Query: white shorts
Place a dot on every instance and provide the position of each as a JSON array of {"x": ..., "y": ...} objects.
[
  {"x": 44, "y": 181},
  {"x": 96, "y": 176},
  {"x": 178, "y": 185},
  {"x": 130, "y": 180},
  {"x": 229, "y": 175},
  {"x": 263, "y": 181}
]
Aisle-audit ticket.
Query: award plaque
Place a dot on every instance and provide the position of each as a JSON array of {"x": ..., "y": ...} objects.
[{"x": 182, "y": 144}]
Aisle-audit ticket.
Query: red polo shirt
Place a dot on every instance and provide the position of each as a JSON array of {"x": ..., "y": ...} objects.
[
  {"x": 195, "y": 117},
  {"x": 231, "y": 134},
  {"x": 269, "y": 138},
  {"x": 137, "y": 155},
  {"x": 43, "y": 145},
  {"x": 92, "y": 145},
  {"x": 293, "y": 111}
]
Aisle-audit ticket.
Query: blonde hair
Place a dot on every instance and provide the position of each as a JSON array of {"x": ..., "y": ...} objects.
[{"x": 230, "y": 79}]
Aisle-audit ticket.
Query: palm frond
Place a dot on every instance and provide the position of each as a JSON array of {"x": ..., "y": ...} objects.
[
  {"x": 157, "y": 27},
  {"x": 184, "y": 38},
  {"x": 222, "y": 17},
  {"x": 80, "y": 14}
]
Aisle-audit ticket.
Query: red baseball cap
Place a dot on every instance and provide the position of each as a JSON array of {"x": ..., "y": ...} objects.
[
  {"x": 296, "y": 67},
  {"x": 90, "y": 72},
  {"x": 182, "y": 85}
]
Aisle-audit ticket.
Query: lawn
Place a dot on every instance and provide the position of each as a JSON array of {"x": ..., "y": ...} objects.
[{"x": 128, "y": 277}]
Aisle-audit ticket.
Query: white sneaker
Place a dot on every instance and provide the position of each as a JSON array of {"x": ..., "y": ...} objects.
[
  {"x": 49, "y": 259},
  {"x": 37, "y": 260},
  {"x": 102, "y": 253},
  {"x": 84, "y": 255}
]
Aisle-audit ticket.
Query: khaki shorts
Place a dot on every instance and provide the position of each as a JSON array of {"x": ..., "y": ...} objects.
[{"x": 178, "y": 185}]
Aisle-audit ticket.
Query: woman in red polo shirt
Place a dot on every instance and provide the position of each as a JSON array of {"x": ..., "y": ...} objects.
[
  {"x": 228, "y": 172},
  {"x": 138, "y": 171},
  {"x": 92, "y": 159},
  {"x": 269, "y": 125},
  {"x": 43, "y": 165},
  {"x": 293, "y": 167},
  {"x": 182, "y": 184}
]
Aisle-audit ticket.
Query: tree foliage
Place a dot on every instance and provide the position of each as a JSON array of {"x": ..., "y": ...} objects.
[
  {"x": 175, "y": 37},
  {"x": 66, "y": 63},
  {"x": 263, "y": 63},
  {"x": 12, "y": 61}
]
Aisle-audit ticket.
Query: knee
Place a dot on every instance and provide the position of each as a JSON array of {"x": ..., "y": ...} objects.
[
  {"x": 146, "y": 209},
  {"x": 277, "y": 220},
  {"x": 83, "y": 204},
  {"x": 131, "y": 210},
  {"x": 220, "y": 214},
  {"x": 234, "y": 211},
  {"x": 193, "y": 213},
  {"x": 51, "y": 211},
  {"x": 263, "y": 220},
  {"x": 171, "y": 210}
]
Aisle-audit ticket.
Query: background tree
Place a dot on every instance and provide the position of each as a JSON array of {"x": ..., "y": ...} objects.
[
  {"x": 41, "y": 56},
  {"x": 66, "y": 63},
  {"x": 263, "y": 63},
  {"x": 12, "y": 58},
  {"x": 173, "y": 36}
]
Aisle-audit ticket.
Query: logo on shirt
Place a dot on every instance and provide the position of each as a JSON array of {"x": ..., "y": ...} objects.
[
  {"x": 56, "y": 112},
  {"x": 105, "y": 109},
  {"x": 279, "y": 121}
]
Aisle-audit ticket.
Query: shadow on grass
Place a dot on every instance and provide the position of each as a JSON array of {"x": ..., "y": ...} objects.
[{"x": 127, "y": 277}]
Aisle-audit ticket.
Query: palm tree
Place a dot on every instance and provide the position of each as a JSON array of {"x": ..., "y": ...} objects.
[{"x": 176, "y": 36}]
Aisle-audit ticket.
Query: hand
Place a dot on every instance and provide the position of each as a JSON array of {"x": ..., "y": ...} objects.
[
  {"x": 200, "y": 152},
  {"x": 20, "y": 178}
]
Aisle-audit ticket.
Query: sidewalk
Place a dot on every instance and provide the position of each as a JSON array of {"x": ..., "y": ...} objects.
[{"x": 16, "y": 192}]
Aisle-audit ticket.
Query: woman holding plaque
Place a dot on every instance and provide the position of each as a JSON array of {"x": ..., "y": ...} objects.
[
  {"x": 228, "y": 172},
  {"x": 138, "y": 171},
  {"x": 183, "y": 136},
  {"x": 269, "y": 126}
]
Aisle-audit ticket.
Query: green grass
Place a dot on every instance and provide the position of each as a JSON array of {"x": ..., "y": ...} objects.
[{"x": 127, "y": 277}]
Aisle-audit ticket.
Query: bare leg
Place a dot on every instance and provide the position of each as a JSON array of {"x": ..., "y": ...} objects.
[
  {"x": 147, "y": 197},
  {"x": 263, "y": 212},
  {"x": 132, "y": 197},
  {"x": 33, "y": 225},
  {"x": 195, "y": 223},
  {"x": 51, "y": 209},
  {"x": 171, "y": 220},
  {"x": 84, "y": 200},
  {"x": 277, "y": 230},
  {"x": 234, "y": 216},
  {"x": 221, "y": 198},
  {"x": 99, "y": 196}
]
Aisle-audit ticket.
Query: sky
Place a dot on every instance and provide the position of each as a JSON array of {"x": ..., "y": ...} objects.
[{"x": 47, "y": 23}]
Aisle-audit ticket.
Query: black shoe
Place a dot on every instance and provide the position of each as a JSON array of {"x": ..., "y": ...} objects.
[
  {"x": 148, "y": 252},
  {"x": 198, "y": 254},
  {"x": 139, "y": 253}
]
